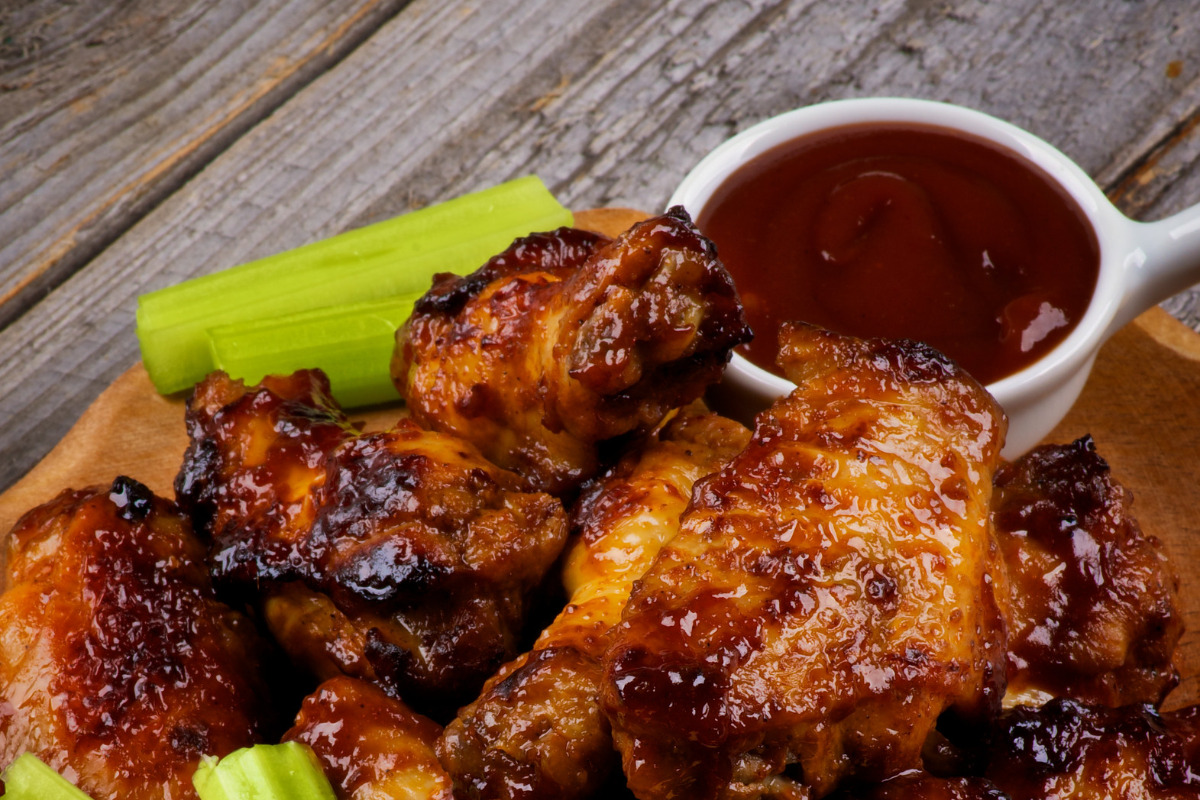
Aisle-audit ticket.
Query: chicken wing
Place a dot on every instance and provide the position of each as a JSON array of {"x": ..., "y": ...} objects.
[
  {"x": 118, "y": 667},
  {"x": 402, "y": 557},
  {"x": 568, "y": 340},
  {"x": 254, "y": 456},
  {"x": 1094, "y": 611},
  {"x": 372, "y": 746},
  {"x": 829, "y": 593},
  {"x": 536, "y": 731},
  {"x": 1073, "y": 751}
]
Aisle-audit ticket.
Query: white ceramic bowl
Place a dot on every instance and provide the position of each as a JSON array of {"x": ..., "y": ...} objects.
[{"x": 1141, "y": 264}]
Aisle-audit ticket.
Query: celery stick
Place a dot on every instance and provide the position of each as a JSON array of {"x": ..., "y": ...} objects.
[
  {"x": 288, "y": 771},
  {"x": 352, "y": 344},
  {"x": 28, "y": 778},
  {"x": 390, "y": 258}
]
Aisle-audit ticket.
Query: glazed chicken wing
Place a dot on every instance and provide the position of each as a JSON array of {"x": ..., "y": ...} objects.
[
  {"x": 1094, "y": 611},
  {"x": 568, "y": 340},
  {"x": 371, "y": 745},
  {"x": 1068, "y": 750},
  {"x": 254, "y": 456},
  {"x": 536, "y": 731},
  {"x": 829, "y": 593},
  {"x": 118, "y": 667},
  {"x": 402, "y": 557}
]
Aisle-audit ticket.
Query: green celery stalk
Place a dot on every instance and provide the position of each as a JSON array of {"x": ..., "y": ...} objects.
[
  {"x": 390, "y": 258},
  {"x": 28, "y": 778},
  {"x": 288, "y": 771},
  {"x": 351, "y": 343}
]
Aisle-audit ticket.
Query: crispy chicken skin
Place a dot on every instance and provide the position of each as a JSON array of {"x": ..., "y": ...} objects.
[
  {"x": 536, "y": 731},
  {"x": 372, "y": 746},
  {"x": 255, "y": 454},
  {"x": 402, "y": 557},
  {"x": 568, "y": 340},
  {"x": 118, "y": 667},
  {"x": 829, "y": 593},
  {"x": 1072, "y": 751},
  {"x": 1094, "y": 611}
]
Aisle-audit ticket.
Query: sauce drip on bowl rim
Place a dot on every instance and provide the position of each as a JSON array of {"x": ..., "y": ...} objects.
[{"x": 905, "y": 230}]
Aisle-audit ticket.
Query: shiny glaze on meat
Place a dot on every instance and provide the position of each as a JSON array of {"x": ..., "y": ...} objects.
[
  {"x": 568, "y": 340},
  {"x": 118, "y": 667},
  {"x": 1071, "y": 751},
  {"x": 254, "y": 455},
  {"x": 917, "y": 785},
  {"x": 536, "y": 731},
  {"x": 402, "y": 557},
  {"x": 830, "y": 592},
  {"x": 371, "y": 745},
  {"x": 1095, "y": 613}
]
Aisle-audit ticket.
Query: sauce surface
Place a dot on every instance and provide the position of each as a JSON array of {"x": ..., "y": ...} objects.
[{"x": 906, "y": 231}]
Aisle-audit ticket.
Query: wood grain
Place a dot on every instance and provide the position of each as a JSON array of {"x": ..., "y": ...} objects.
[
  {"x": 610, "y": 101},
  {"x": 107, "y": 108}
]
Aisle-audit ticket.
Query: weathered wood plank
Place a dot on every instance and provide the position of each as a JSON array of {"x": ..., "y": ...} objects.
[
  {"x": 610, "y": 101},
  {"x": 1163, "y": 180},
  {"x": 107, "y": 108}
]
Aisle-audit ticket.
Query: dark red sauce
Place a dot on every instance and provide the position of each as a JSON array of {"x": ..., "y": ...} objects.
[{"x": 906, "y": 231}]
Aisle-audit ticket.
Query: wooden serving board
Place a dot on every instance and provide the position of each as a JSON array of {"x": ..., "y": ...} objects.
[{"x": 1142, "y": 406}]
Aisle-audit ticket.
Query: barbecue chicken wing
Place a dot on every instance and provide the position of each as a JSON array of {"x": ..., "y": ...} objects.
[
  {"x": 568, "y": 340},
  {"x": 118, "y": 667},
  {"x": 829, "y": 593},
  {"x": 536, "y": 731},
  {"x": 1067, "y": 750},
  {"x": 372, "y": 746},
  {"x": 401, "y": 557},
  {"x": 255, "y": 455},
  {"x": 1094, "y": 612}
]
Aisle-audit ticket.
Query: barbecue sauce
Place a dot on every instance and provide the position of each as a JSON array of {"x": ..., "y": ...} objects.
[{"x": 906, "y": 231}]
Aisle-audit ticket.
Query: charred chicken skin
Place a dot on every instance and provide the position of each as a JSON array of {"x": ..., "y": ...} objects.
[
  {"x": 118, "y": 667},
  {"x": 1067, "y": 750},
  {"x": 371, "y": 745},
  {"x": 821, "y": 609},
  {"x": 568, "y": 340},
  {"x": 255, "y": 455},
  {"x": 1073, "y": 751},
  {"x": 1094, "y": 610},
  {"x": 830, "y": 592},
  {"x": 402, "y": 557},
  {"x": 537, "y": 731}
]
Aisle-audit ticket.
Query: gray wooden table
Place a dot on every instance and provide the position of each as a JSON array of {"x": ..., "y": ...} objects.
[{"x": 147, "y": 141}]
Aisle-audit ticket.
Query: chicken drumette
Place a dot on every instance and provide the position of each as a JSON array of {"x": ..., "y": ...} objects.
[
  {"x": 1094, "y": 611},
  {"x": 829, "y": 593},
  {"x": 401, "y": 557},
  {"x": 371, "y": 745},
  {"x": 118, "y": 667},
  {"x": 568, "y": 340},
  {"x": 537, "y": 731},
  {"x": 1073, "y": 751}
]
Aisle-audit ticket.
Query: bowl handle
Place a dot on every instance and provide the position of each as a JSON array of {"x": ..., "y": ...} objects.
[{"x": 1165, "y": 262}]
